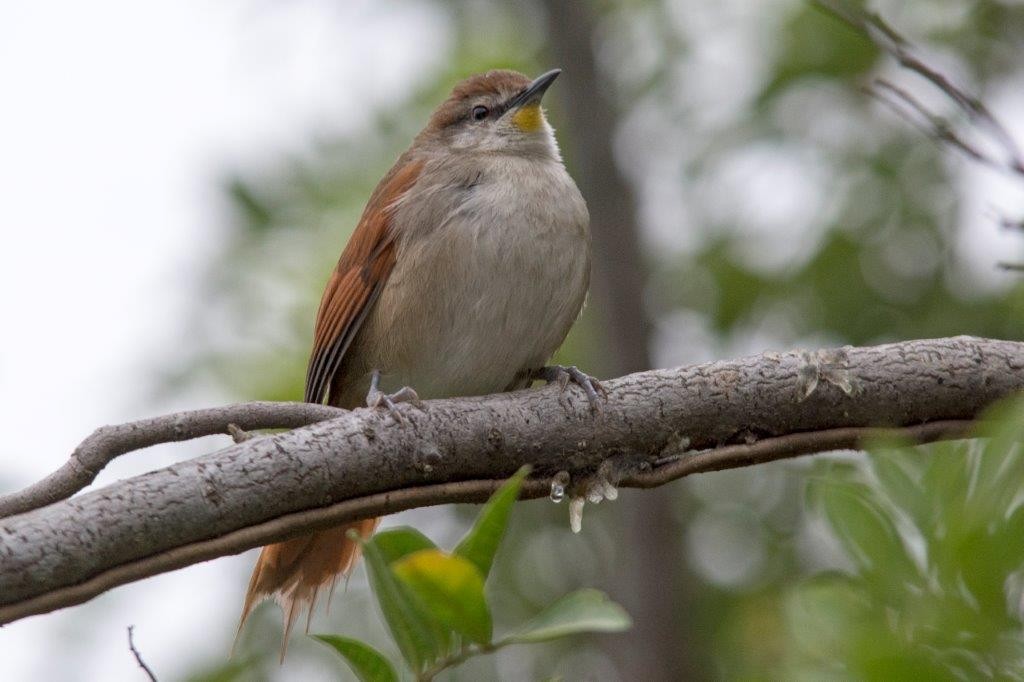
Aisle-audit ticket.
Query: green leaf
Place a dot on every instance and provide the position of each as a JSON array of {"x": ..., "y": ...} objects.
[
  {"x": 1004, "y": 426},
  {"x": 866, "y": 529},
  {"x": 582, "y": 611},
  {"x": 412, "y": 632},
  {"x": 826, "y": 615},
  {"x": 229, "y": 671},
  {"x": 395, "y": 543},
  {"x": 1001, "y": 462},
  {"x": 367, "y": 663},
  {"x": 481, "y": 543},
  {"x": 947, "y": 481},
  {"x": 900, "y": 471},
  {"x": 451, "y": 588}
]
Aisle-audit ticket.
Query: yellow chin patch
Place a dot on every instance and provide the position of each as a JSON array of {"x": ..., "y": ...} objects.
[{"x": 529, "y": 119}]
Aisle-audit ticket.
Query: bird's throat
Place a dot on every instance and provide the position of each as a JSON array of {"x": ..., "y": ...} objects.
[{"x": 529, "y": 118}]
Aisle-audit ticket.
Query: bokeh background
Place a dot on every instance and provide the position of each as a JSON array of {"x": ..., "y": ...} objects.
[{"x": 178, "y": 177}]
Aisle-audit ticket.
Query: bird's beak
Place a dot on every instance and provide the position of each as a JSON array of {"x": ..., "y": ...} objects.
[{"x": 533, "y": 92}]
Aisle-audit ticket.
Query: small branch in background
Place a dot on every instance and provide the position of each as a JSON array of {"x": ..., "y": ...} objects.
[
  {"x": 886, "y": 38},
  {"x": 929, "y": 123},
  {"x": 1004, "y": 222},
  {"x": 138, "y": 656},
  {"x": 1009, "y": 159},
  {"x": 109, "y": 442}
]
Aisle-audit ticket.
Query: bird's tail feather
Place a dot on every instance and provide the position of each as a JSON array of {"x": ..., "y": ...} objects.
[{"x": 294, "y": 571}]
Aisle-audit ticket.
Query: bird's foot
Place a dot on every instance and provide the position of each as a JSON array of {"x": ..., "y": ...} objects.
[
  {"x": 378, "y": 398},
  {"x": 563, "y": 375}
]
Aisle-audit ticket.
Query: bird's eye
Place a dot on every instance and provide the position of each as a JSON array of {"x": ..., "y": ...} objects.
[{"x": 480, "y": 112}]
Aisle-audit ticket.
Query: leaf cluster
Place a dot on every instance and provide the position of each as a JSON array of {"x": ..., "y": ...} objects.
[
  {"x": 435, "y": 608},
  {"x": 933, "y": 535}
]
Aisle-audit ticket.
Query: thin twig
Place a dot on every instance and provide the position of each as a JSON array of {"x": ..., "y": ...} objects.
[
  {"x": 937, "y": 127},
  {"x": 1009, "y": 223},
  {"x": 138, "y": 656},
  {"x": 872, "y": 26},
  {"x": 908, "y": 107}
]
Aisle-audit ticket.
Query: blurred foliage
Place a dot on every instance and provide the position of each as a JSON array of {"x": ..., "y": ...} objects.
[
  {"x": 780, "y": 207},
  {"x": 935, "y": 588}
]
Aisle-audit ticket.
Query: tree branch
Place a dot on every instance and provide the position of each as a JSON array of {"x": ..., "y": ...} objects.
[
  {"x": 109, "y": 442},
  {"x": 656, "y": 426}
]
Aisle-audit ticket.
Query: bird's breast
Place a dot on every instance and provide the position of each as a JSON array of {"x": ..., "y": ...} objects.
[{"x": 490, "y": 275}]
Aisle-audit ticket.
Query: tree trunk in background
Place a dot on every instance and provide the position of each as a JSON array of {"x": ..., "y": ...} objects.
[{"x": 651, "y": 579}]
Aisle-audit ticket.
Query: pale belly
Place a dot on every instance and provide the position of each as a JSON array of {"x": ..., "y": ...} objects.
[
  {"x": 506, "y": 312},
  {"x": 489, "y": 295}
]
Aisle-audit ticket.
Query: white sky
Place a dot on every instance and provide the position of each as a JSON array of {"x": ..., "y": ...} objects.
[{"x": 116, "y": 118}]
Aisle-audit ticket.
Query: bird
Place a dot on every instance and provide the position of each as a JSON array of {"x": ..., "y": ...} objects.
[{"x": 469, "y": 265}]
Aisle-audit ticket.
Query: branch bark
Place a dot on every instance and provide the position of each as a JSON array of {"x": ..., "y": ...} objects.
[
  {"x": 655, "y": 427},
  {"x": 109, "y": 442}
]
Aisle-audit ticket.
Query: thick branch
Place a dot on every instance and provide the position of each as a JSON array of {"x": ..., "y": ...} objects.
[{"x": 656, "y": 426}]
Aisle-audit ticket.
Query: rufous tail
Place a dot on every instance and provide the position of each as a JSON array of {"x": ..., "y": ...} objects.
[{"x": 293, "y": 572}]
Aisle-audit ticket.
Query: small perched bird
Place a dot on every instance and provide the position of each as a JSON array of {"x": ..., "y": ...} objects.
[{"x": 468, "y": 267}]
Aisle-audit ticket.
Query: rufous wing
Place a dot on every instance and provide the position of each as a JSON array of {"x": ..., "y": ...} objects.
[
  {"x": 294, "y": 571},
  {"x": 357, "y": 281}
]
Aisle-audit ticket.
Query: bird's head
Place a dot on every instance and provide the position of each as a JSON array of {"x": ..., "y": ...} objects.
[{"x": 495, "y": 112}]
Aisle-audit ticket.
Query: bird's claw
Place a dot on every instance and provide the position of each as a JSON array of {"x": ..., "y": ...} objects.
[
  {"x": 377, "y": 398},
  {"x": 562, "y": 375}
]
